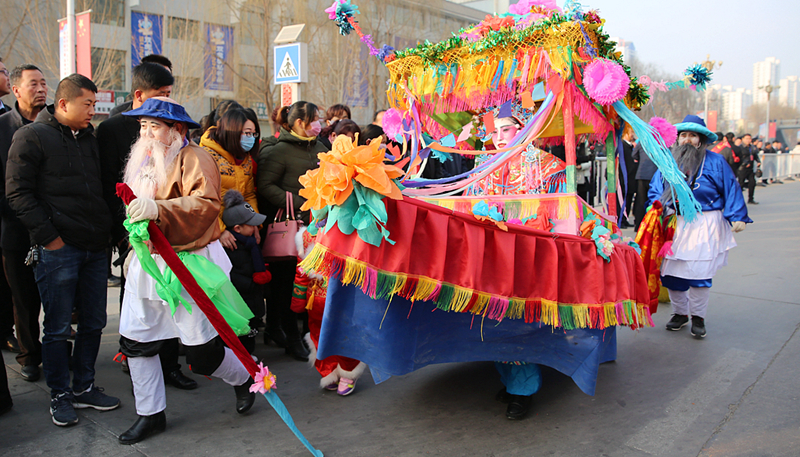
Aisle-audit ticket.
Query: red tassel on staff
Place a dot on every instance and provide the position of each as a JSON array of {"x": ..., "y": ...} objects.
[{"x": 189, "y": 284}]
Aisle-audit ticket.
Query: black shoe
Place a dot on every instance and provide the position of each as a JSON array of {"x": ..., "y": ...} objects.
[
  {"x": 30, "y": 373},
  {"x": 752, "y": 202},
  {"x": 297, "y": 350},
  {"x": 503, "y": 396},
  {"x": 625, "y": 225},
  {"x": 677, "y": 322},
  {"x": 144, "y": 427},
  {"x": 176, "y": 378},
  {"x": 698, "y": 327},
  {"x": 244, "y": 398},
  {"x": 10, "y": 344},
  {"x": 519, "y": 406},
  {"x": 276, "y": 335},
  {"x": 114, "y": 281}
]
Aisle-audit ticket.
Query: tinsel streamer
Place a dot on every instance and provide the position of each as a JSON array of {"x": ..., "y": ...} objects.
[{"x": 662, "y": 158}]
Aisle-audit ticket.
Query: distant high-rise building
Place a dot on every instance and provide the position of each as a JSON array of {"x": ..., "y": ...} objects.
[
  {"x": 625, "y": 47},
  {"x": 735, "y": 103},
  {"x": 765, "y": 73},
  {"x": 787, "y": 94}
]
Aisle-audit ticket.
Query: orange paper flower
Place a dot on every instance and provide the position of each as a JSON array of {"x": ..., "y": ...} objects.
[{"x": 332, "y": 182}]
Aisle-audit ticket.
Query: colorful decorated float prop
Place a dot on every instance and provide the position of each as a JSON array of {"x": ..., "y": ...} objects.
[
  {"x": 417, "y": 277},
  {"x": 200, "y": 289}
]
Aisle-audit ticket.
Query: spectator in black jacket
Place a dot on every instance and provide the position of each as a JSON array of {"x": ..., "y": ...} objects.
[
  {"x": 53, "y": 184},
  {"x": 5, "y": 86},
  {"x": 30, "y": 89},
  {"x": 748, "y": 157}
]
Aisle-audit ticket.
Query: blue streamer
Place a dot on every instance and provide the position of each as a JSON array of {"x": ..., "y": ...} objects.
[
  {"x": 280, "y": 408},
  {"x": 662, "y": 158}
]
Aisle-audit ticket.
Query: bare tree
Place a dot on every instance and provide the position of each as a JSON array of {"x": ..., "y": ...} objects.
[{"x": 673, "y": 105}]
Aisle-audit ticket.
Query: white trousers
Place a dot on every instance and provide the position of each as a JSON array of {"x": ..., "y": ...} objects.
[
  {"x": 148, "y": 380},
  {"x": 693, "y": 302}
]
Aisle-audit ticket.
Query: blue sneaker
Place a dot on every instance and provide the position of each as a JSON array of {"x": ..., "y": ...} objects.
[
  {"x": 95, "y": 398},
  {"x": 62, "y": 411}
]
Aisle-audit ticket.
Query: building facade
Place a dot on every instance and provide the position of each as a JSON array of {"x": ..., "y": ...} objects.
[{"x": 765, "y": 73}]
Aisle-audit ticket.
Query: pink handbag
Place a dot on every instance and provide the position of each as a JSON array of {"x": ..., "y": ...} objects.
[{"x": 279, "y": 243}]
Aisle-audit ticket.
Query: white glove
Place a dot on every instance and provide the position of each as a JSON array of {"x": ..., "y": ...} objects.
[
  {"x": 738, "y": 226},
  {"x": 143, "y": 208}
]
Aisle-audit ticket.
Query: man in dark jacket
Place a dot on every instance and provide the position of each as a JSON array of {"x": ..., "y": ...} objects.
[
  {"x": 53, "y": 185},
  {"x": 5, "y": 86},
  {"x": 30, "y": 89},
  {"x": 748, "y": 157}
]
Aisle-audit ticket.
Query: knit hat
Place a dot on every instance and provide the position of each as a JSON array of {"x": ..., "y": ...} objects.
[
  {"x": 239, "y": 212},
  {"x": 692, "y": 123}
]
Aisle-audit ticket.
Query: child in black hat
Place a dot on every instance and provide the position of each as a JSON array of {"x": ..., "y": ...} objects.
[{"x": 249, "y": 273}]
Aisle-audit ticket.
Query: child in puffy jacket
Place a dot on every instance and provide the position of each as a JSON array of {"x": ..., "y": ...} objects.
[
  {"x": 248, "y": 272},
  {"x": 338, "y": 373}
]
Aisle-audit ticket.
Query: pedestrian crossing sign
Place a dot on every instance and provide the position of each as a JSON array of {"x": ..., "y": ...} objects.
[{"x": 290, "y": 63}]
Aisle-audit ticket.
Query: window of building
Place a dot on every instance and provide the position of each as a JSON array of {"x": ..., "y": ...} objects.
[
  {"x": 183, "y": 29},
  {"x": 252, "y": 26},
  {"x": 108, "y": 12},
  {"x": 107, "y": 73}
]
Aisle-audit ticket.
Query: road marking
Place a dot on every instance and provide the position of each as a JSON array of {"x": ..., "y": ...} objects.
[{"x": 658, "y": 436}]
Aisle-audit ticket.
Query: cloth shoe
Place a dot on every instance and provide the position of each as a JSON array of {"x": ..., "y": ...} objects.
[
  {"x": 95, "y": 398},
  {"x": 10, "y": 344},
  {"x": 677, "y": 322},
  {"x": 519, "y": 406},
  {"x": 176, "y": 378},
  {"x": 144, "y": 427},
  {"x": 244, "y": 398},
  {"x": 30, "y": 373},
  {"x": 698, "y": 327},
  {"x": 297, "y": 350},
  {"x": 346, "y": 386},
  {"x": 62, "y": 411}
]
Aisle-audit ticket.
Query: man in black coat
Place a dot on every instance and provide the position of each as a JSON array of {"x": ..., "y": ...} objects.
[
  {"x": 115, "y": 136},
  {"x": 5, "y": 86},
  {"x": 53, "y": 185},
  {"x": 30, "y": 89},
  {"x": 748, "y": 157}
]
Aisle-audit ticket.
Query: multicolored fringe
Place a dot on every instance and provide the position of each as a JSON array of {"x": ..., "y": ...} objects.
[
  {"x": 518, "y": 207},
  {"x": 379, "y": 284}
]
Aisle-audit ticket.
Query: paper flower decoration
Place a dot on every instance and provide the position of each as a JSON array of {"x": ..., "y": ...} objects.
[
  {"x": 524, "y": 6},
  {"x": 483, "y": 212},
  {"x": 264, "y": 380},
  {"x": 393, "y": 123},
  {"x": 666, "y": 131},
  {"x": 343, "y": 13},
  {"x": 698, "y": 76},
  {"x": 605, "y": 81},
  {"x": 494, "y": 23},
  {"x": 332, "y": 182}
]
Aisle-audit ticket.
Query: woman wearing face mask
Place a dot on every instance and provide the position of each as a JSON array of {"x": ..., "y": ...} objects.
[
  {"x": 280, "y": 165},
  {"x": 230, "y": 143}
]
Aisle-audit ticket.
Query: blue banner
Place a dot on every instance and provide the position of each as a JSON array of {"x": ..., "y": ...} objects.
[
  {"x": 146, "y": 35},
  {"x": 356, "y": 84},
  {"x": 217, "y": 71}
]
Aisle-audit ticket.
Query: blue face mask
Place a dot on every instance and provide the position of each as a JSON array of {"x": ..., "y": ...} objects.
[{"x": 248, "y": 142}]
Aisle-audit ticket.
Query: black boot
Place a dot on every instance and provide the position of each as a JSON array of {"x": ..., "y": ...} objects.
[
  {"x": 244, "y": 398},
  {"x": 277, "y": 335},
  {"x": 144, "y": 427},
  {"x": 176, "y": 378},
  {"x": 519, "y": 406},
  {"x": 297, "y": 349}
]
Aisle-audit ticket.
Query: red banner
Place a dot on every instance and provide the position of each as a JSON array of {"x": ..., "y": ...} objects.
[{"x": 83, "y": 55}]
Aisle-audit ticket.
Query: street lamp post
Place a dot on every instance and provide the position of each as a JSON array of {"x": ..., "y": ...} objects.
[
  {"x": 768, "y": 89},
  {"x": 708, "y": 65}
]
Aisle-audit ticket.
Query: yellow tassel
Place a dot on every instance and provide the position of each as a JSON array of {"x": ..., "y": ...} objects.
[
  {"x": 461, "y": 299},
  {"x": 425, "y": 288},
  {"x": 563, "y": 207},
  {"x": 399, "y": 284},
  {"x": 314, "y": 259},
  {"x": 550, "y": 313},
  {"x": 580, "y": 315},
  {"x": 516, "y": 308},
  {"x": 310, "y": 303},
  {"x": 611, "y": 315},
  {"x": 481, "y": 304},
  {"x": 354, "y": 272}
]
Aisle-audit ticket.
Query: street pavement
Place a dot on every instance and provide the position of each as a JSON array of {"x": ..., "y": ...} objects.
[{"x": 734, "y": 393}]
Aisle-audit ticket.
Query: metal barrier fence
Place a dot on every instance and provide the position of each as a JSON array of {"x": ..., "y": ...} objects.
[{"x": 778, "y": 166}]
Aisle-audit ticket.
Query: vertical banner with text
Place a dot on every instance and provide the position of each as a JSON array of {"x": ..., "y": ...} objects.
[
  {"x": 356, "y": 84},
  {"x": 63, "y": 49},
  {"x": 83, "y": 50},
  {"x": 217, "y": 72},
  {"x": 146, "y": 35}
]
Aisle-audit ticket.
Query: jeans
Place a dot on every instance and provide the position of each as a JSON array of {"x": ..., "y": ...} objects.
[{"x": 70, "y": 278}]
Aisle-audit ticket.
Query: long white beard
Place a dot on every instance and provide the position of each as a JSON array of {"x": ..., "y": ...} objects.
[{"x": 149, "y": 163}]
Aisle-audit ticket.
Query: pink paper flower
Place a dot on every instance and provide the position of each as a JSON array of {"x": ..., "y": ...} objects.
[
  {"x": 264, "y": 381},
  {"x": 332, "y": 9},
  {"x": 605, "y": 81},
  {"x": 392, "y": 123},
  {"x": 524, "y": 6},
  {"x": 665, "y": 130}
]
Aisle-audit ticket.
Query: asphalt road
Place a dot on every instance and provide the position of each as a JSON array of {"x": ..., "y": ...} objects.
[{"x": 735, "y": 393}]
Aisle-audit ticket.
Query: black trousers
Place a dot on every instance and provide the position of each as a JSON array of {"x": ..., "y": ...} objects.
[
  {"x": 203, "y": 359},
  {"x": 639, "y": 208},
  {"x": 279, "y": 312},
  {"x": 748, "y": 175},
  {"x": 27, "y": 305},
  {"x": 6, "y": 308}
]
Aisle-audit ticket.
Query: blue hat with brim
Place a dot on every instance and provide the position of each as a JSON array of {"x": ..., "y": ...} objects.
[
  {"x": 164, "y": 110},
  {"x": 692, "y": 123}
]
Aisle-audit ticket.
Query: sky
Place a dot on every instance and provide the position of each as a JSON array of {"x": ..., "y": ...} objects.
[{"x": 676, "y": 33}]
